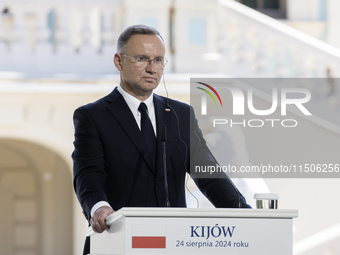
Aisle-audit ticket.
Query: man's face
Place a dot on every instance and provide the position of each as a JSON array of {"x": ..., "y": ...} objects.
[{"x": 140, "y": 81}]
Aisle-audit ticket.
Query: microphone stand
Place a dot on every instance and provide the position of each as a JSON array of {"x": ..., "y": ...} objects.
[{"x": 163, "y": 139}]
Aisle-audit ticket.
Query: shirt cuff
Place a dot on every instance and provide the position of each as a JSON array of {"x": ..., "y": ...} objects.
[{"x": 98, "y": 205}]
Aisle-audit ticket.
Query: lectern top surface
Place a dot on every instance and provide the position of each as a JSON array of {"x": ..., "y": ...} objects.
[
  {"x": 202, "y": 213},
  {"x": 147, "y": 212}
]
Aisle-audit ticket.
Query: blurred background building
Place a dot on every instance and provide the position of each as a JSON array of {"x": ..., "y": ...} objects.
[{"x": 57, "y": 55}]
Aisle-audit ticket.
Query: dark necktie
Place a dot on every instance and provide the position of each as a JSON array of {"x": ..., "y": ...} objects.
[{"x": 148, "y": 131}]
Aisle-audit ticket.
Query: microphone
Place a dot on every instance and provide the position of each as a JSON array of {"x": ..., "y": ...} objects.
[
  {"x": 164, "y": 134},
  {"x": 163, "y": 140},
  {"x": 170, "y": 109},
  {"x": 201, "y": 139}
]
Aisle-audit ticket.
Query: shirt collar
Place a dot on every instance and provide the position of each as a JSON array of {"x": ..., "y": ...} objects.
[{"x": 133, "y": 102}]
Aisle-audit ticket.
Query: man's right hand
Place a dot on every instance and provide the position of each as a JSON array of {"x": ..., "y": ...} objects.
[{"x": 98, "y": 221}]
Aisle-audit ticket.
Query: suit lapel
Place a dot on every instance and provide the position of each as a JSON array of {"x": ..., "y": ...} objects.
[
  {"x": 163, "y": 117},
  {"x": 122, "y": 113}
]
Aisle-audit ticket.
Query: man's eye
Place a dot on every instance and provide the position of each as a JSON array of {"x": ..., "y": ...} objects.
[
  {"x": 142, "y": 59},
  {"x": 159, "y": 60}
]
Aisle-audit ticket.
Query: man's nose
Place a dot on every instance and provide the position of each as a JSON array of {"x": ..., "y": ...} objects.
[{"x": 151, "y": 67}]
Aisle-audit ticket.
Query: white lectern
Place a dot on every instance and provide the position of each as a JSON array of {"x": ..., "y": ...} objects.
[{"x": 196, "y": 231}]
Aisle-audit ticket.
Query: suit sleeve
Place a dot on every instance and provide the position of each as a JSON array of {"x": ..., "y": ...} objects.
[
  {"x": 89, "y": 173},
  {"x": 219, "y": 188}
]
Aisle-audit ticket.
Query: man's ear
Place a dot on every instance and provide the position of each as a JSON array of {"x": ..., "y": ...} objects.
[{"x": 117, "y": 60}]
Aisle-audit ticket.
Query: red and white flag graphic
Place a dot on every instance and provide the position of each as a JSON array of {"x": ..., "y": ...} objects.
[{"x": 148, "y": 237}]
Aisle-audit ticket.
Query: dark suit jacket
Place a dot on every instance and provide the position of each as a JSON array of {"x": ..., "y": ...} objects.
[{"x": 111, "y": 162}]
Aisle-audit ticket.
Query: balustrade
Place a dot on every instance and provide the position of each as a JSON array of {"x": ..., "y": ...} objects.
[{"x": 64, "y": 37}]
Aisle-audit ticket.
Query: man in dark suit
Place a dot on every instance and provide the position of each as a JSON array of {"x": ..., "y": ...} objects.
[{"x": 116, "y": 163}]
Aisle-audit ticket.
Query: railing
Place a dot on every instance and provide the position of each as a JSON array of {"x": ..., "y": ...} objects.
[
  {"x": 74, "y": 23},
  {"x": 45, "y": 37},
  {"x": 258, "y": 46},
  {"x": 79, "y": 37},
  {"x": 261, "y": 46}
]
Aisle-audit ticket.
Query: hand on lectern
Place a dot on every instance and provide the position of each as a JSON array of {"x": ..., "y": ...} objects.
[{"x": 98, "y": 221}]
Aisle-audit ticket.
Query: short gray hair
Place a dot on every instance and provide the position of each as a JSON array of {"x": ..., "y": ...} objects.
[{"x": 134, "y": 30}]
